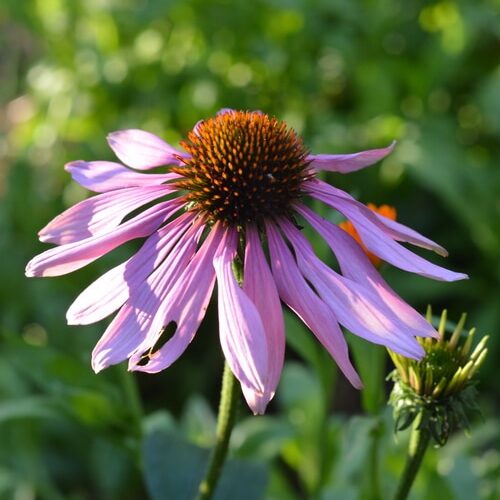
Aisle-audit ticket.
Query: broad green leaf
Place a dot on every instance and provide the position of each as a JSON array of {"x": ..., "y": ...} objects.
[
  {"x": 300, "y": 338},
  {"x": 174, "y": 468},
  {"x": 462, "y": 479},
  {"x": 27, "y": 407},
  {"x": 261, "y": 438},
  {"x": 370, "y": 361},
  {"x": 198, "y": 421}
]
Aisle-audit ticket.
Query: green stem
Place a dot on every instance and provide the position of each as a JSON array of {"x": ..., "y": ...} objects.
[
  {"x": 225, "y": 421},
  {"x": 419, "y": 440}
]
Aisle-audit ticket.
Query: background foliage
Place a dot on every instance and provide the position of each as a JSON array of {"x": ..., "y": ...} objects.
[{"x": 347, "y": 75}]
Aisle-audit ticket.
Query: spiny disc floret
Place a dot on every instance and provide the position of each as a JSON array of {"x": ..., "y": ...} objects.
[{"x": 245, "y": 166}]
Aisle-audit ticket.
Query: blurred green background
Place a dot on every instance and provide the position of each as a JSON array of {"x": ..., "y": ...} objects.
[{"x": 347, "y": 75}]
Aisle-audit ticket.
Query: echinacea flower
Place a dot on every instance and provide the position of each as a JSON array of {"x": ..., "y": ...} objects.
[{"x": 231, "y": 199}]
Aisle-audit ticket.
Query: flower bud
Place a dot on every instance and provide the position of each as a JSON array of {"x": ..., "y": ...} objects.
[{"x": 441, "y": 385}]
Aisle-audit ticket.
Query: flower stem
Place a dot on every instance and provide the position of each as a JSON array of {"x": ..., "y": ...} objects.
[
  {"x": 419, "y": 440},
  {"x": 225, "y": 421}
]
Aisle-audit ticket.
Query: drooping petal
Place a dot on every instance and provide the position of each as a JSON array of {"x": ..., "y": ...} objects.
[
  {"x": 185, "y": 305},
  {"x": 67, "y": 258},
  {"x": 379, "y": 241},
  {"x": 259, "y": 285},
  {"x": 404, "y": 233},
  {"x": 112, "y": 289},
  {"x": 349, "y": 162},
  {"x": 103, "y": 176},
  {"x": 141, "y": 316},
  {"x": 242, "y": 335},
  {"x": 99, "y": 214},
  {"x": 355, "y": 265},
  {"x": 143, "y": 150},
  {"x": 298, "y": 295},
  {"x": 392, "y": 228},
  {"x": 355, "y": 307}
]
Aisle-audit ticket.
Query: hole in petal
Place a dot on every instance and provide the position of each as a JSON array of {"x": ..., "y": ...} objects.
[{"x": 164, "y": 336}]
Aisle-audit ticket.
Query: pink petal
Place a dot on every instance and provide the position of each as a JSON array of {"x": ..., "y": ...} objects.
[
  {"x": 403, "y": 233},
  {"x": 67, "y": 258},
  {"x": 391, "y": 228},
  {"x": 258, "y": 284},
  {"x": 103, "y": 176},
  {"x": 299, "y": 296},
  {"x": 143, "y": 150},
  {"x": 185, "y": 304},
  {"x": 99, "y": 214},
  {"x": 355, "y": 265},
  {"x": 379, "y": 241},
  {"x": 141, "y": 316},
  {"x": 225, "y": 111},
  {"x": 242, "y": 334},
  {"x": 355, "y": 307},
  {"x": 112, "y": 289},
  {"x": 349, "y": 162}
]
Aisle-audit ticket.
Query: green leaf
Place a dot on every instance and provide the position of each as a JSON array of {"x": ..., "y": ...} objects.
[
  {"x": 461, "y": 478},
  {"x": 158, "y": 421},
  {"x": 300, "y": 395},
  {"x": 243, "y": 480},
  {"x": 299, "y": 338},
  {"x": 90, "y": 407},
  {"x": 27, "y": 407},
  {"x": 370, "y": 361},
  {"x": 343, "y": 492},
  {"x": 174, "y": 468},
  {"x": 300, "y": 390},
  {"x": 198, "y": 421},
  {"x": 356, "y": 442},
  {"x": 7, "y": 482},
  {"x": 262, "y": 437}
]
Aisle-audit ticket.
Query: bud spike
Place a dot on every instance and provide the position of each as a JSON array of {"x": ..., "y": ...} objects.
[
  {"x": 466, "y": 370},
  {"x": 413, "y": 379},
  {"x": 440, "y": 387},
  {"x": 442, "y": 325},
  {"x": 428, "y": 313},
  {"x": 480, "y": 346},
  {"x": 458, "y": 331},
  {"x": 428, "y": 381},
  {"x": 479, "y": 361},
  {"x": 468, "y": 342}
]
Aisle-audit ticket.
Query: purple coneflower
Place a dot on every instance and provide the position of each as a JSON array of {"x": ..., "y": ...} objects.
[{"x": 230, "y": 202}]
